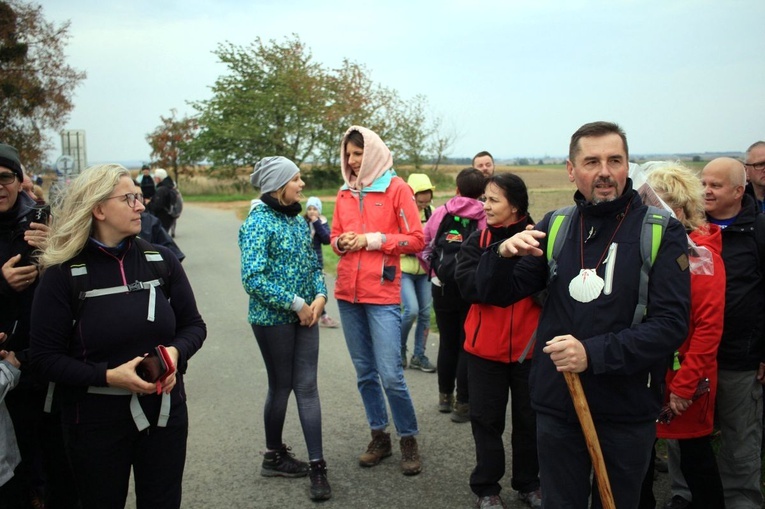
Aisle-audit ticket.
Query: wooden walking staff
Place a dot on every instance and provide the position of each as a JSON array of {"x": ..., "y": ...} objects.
[{"x": 591, "y": 437}]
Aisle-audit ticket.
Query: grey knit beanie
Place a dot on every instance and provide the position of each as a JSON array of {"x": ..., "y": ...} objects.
[
  {"x": 271, "y": 173},
  {"x": 9, "y": 157}
]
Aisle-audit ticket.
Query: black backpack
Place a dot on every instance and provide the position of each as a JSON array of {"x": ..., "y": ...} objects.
[
  {"x": 452, "y": 233},
  {"x": 175, "y": 207}
]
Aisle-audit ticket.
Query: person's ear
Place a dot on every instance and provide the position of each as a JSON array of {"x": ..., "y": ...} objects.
[{"x": 98, "y": 212}]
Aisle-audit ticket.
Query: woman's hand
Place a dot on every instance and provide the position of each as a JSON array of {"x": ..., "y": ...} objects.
[
  {"x": 124, "y": 376},
  {"x": 305, "y": 315},
  {"x": 678, "y": 404},
  {"x": 317, "y": 306},
  {"x": 169, "y": 382}
]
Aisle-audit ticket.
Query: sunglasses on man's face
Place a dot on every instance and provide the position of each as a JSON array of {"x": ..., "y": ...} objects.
[{"x": 7, "y": 178}]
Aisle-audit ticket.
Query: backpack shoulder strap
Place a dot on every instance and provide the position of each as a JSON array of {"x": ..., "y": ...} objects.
[
  {"x": 156, "y": 263},
  {"x": 557, "y": 231},
  {"x": 652, "y": 230},
  {"x": 485, "y": 238}
]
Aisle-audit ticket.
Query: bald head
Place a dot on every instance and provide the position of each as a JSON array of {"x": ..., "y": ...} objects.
[{"x": 724, "y": 180}]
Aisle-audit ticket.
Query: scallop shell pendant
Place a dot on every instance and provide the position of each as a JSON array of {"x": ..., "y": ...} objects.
[{"x": 586, "y": 286}]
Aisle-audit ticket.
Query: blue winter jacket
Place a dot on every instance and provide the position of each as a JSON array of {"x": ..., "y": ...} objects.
[{"x": 278, "y": 264}]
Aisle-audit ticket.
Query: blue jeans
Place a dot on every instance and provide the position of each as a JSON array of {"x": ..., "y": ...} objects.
[
  {"x": 291, "y": 355},
  {"x": 372, "y": 333},
  {"x": 415, "y": 302}
]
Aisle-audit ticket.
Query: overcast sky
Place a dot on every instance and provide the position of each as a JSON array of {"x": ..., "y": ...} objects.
[{"x": 513, "y": 77}]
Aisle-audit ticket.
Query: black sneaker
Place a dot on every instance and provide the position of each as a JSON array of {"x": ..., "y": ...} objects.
[
  {"x": 282, "y": 463},
  {"x": 320, "y": 489}
]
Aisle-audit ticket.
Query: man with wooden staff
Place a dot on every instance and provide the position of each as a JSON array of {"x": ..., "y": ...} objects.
[{"x": 595, "y": 323}]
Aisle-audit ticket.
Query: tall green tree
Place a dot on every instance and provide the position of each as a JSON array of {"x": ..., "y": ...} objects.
[
  {"x": 170, "y": 141},
  {"x": 36, "y": 84},
  {"x": 270, "y": 102},
  {"x": 276, "y": 100}
]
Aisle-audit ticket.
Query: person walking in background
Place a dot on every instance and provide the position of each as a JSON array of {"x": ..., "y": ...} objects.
[
  {"x": 415, "y": 284},
  {"x": 498, "y": 353},
  {"x": 741, "y": 369},
  {"x": 375, "y": 222},
  {"x": 136, "y": 299},
  {"x": 319, "y": 227},
  {"x": 284, "y": 279},
  {"x": 688, "y": 415},
  {"x": 592, "y": 322},
  {"x": 146, "y": 182},
  {"x": 163, "y": 199},
  {"x": 465, "y": 213}
]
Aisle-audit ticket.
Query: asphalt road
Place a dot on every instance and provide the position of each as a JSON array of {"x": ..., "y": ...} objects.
[{"x": 226, "y": 385}]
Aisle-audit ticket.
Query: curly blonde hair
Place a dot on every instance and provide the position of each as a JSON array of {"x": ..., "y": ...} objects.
[
  {"x": 680, "y": 187},
  {"x": 72, "y": 212}
]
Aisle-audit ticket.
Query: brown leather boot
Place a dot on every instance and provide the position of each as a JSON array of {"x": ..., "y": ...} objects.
[
  {"x": 377, "y": 449},
  {"x": 410, "y": 456}
]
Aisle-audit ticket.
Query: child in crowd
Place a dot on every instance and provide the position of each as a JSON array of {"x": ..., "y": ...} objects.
[
  {"x": 319, "y": 235},
  {"x": 416, "y": 296}
]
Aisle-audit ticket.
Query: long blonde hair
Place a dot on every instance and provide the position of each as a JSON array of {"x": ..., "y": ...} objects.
[
  {"x": 680, "y": 187},
  {"x": 72, "y": 214}
]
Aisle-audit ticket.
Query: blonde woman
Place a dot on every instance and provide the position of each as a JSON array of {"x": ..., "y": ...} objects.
[
  {"x": 138, "y": 297},
  {"x": 691, "y": 380}
]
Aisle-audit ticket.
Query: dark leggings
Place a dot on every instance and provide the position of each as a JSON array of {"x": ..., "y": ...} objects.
[
  {"x": 291, "y": 355},
  {"x": 451, "y": 312}
]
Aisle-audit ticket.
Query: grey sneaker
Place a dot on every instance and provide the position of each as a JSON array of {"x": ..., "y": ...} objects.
[
  {"x": 422, "y": 363},
  {"x": 490, "y": 502},
  {"x": 531, "y": 498}
]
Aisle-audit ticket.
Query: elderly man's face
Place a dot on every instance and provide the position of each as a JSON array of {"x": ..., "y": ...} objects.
[
  {"x": 9, "y": 189},
  {"x": 722, "y": 194}
]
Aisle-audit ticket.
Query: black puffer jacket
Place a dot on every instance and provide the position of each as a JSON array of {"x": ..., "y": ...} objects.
[
  {"x": 743, "y": 343},
  {"x": 15, "y": 306}
]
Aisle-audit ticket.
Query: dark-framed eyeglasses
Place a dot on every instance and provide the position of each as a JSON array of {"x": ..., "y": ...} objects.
[
  {"x": 7, "y": 177},
  {"x": 130, "y": 198},
  {"x": 760, "y": 166}
]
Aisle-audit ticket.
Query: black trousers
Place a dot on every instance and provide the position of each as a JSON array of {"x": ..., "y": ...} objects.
[
  {"x": 490, "y": 383},
  {"x": 699, "y": 467},
  {"x": 451, "y": 312},
  {"x": 102, "y": 454}
]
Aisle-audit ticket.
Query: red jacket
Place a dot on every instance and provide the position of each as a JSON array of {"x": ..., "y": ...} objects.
[
  {"x": 698, "y": 355},
  {"x": 374, "y": 277},
  {"x": 495, "y": 333}
]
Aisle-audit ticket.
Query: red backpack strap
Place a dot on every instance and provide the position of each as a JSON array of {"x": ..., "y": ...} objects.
[{"x": 485, "y": 238}]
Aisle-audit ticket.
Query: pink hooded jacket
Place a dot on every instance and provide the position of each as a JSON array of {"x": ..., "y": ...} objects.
[{"x": 374, "y": 201}]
